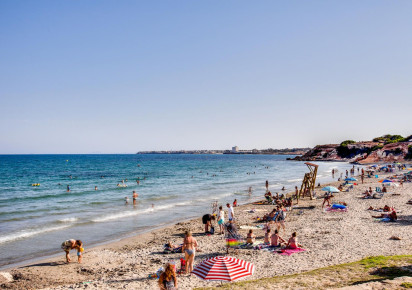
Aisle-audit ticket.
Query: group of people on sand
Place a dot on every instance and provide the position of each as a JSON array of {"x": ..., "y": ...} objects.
[
  {"x": 279, "y": 200},
  {"x": 389, "y": 213},
  {"x": 208, "y": 218}
]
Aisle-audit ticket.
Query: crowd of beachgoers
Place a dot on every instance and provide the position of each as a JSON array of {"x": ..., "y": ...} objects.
[{"x": 366, "y": 212}]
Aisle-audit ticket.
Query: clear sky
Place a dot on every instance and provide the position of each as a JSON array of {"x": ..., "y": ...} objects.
[{"x": 124, "y": 76}]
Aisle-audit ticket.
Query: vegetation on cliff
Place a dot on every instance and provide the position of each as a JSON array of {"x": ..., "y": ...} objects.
[{"x": 387, "y": 148}]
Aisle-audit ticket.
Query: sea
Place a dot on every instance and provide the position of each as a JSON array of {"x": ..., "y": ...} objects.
[{"x": 35, "y": 220}]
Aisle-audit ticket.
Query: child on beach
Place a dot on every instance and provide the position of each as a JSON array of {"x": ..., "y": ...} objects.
[
  {"x": 167, "y": 279},
  {"x": 276, "y": 240},
  {"x": 293, "y": 242},
  {"x": 221, "y": 219},
  {"x": 250, "y": 237},
  {"x": 70, "y": 245},
  {"x": 267, "y": 236},
  {"x": 326, "y": 199}
]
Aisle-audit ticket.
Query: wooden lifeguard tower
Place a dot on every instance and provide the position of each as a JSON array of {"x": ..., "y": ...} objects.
[{"x": 308, "y": 183}]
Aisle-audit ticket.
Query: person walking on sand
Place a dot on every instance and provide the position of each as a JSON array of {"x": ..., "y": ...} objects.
[
  {"x": 221, "y": 219},
  {"x": 135, "y": 196},
  {"x": 230, "y": 212},
  {"x": 70, "y": 245},
  {"x": 189, "y": 248},
  {"x": 326, "y": 199}
]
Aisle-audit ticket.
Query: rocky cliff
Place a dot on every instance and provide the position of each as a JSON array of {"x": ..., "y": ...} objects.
[{"x": 361, "y": 152}]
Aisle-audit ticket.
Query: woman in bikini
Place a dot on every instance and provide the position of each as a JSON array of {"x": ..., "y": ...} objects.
[
  {"x": 293, "y": 242},
  {"x": 189, "y": 248}
]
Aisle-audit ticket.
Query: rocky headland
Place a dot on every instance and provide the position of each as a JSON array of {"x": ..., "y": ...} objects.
[{"x": 388, "y": 148}]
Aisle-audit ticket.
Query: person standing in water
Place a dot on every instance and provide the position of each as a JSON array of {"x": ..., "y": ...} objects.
[
  {"x": 135, "y": 196},
  {"x": 267, "y": 186},
  {"x": 68, "y": 188}
]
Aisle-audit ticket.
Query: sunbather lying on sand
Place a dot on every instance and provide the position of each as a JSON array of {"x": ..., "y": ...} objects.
[
  {"x": 392, "y": 216},
  {"x": 386, "y": 208}
]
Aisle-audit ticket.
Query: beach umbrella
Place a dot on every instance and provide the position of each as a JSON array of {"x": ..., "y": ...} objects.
[
  {"x": 351, "y": 179},
  {"x": 385, "y": 181},
  {"x": 330, "y": 189},
  {"x": 223, "y": 269}
]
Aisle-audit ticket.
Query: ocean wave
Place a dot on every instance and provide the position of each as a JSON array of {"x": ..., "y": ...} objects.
[
  {"x": 29, "y": 233},
  {"x": 127, "y": 214},
  {"x": 294, "y": 180},
  {"x": 68, "y": 220}
]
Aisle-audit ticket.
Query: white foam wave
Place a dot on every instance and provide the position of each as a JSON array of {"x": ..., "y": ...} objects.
[
  {"x": 29, "y": 233},
  {"x": 137, "y": 212},
  {"x": 68, "y": 220},
  {"x": 294, "y": 180}
]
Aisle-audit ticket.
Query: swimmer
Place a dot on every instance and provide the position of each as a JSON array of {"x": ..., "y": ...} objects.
[
  {"x": 95, "y": 188},
  {"x": 135, "y": 196},
  {"x": 126, "y": 199}
]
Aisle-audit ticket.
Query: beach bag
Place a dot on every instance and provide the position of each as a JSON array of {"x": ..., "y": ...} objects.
[{"x": 212, "y": 230}]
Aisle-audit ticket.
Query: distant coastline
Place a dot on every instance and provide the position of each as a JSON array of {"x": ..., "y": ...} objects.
[{"x": 270, "y": 151}]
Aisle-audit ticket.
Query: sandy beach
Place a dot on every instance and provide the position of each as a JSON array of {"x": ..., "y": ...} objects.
[{"x": 329, "y": 237}]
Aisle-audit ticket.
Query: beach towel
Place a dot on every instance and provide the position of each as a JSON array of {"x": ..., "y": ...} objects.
[
  {"x": 262, "y": 246},
  {"x": 288, "y": 252},
  {"x": 384, "y": 220},
  {"x": 330, "y": 209},
  {"x": 251, "y": 227}
]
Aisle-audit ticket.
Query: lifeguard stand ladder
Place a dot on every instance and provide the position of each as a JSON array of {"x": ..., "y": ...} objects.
[{"x": 308, "y": 183}]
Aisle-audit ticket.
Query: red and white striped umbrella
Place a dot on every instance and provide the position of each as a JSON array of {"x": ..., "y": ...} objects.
[{"x": 223, "y": 268}]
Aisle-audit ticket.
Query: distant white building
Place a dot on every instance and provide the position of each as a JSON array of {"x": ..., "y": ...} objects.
[{"x": 235, "y": 149}]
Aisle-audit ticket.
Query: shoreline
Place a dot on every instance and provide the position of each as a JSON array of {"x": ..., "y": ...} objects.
[{"x": 139, "y": 255}]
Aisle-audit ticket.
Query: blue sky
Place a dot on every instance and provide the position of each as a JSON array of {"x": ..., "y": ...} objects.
[{"x": 125, "y": 76}]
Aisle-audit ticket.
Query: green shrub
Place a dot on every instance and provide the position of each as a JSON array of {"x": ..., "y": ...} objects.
[
  {"x": 346, "y": 143},
  {"x": 388, "y": 139}
]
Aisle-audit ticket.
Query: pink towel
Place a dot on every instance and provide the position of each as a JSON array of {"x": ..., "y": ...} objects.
[{"x": 289, "y": 252}]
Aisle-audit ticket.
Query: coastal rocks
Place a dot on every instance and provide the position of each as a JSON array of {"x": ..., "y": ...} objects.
[
  {"x": 359, "y": 152},
  {"x": 395, "y": 152}
]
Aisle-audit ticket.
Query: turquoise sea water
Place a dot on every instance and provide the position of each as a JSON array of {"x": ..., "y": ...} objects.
[{"x": 35, "y": 220}]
